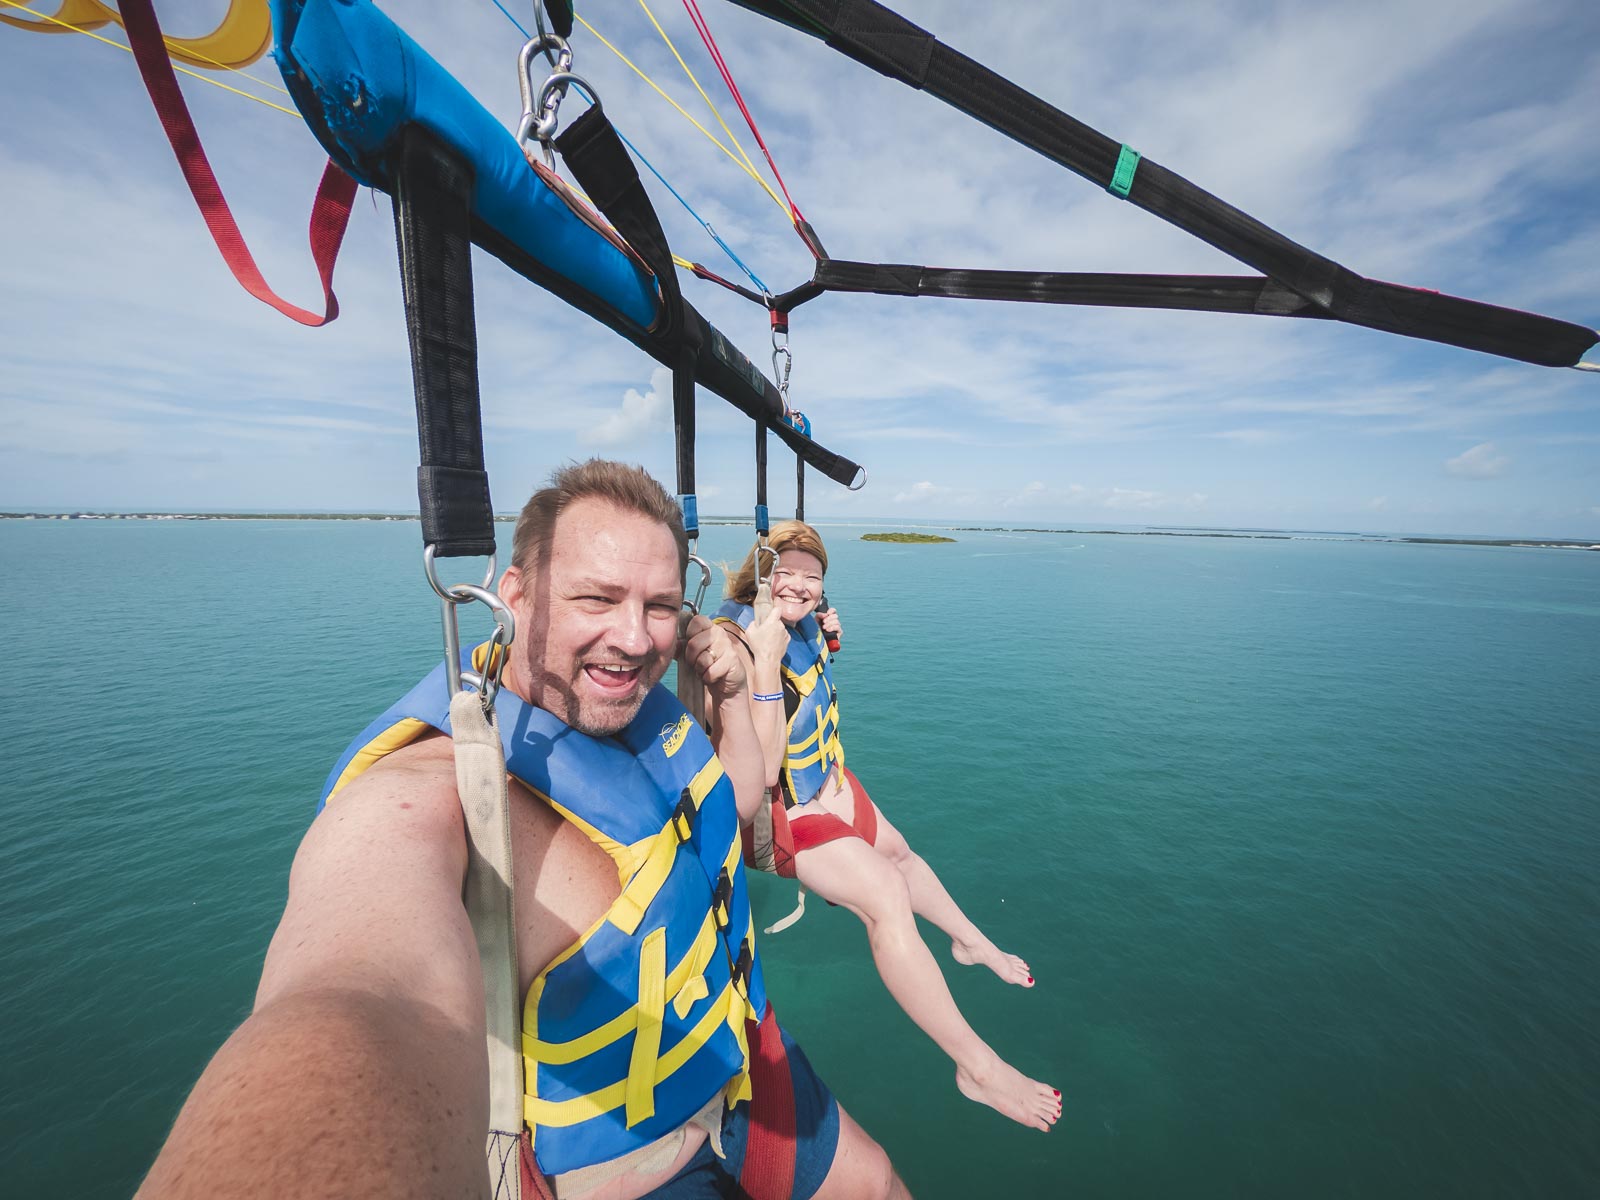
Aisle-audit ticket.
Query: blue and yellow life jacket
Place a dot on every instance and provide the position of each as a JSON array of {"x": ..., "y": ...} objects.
[
  {"x": 810, "y": 706},
  {"x": 631, "y": 1030}
]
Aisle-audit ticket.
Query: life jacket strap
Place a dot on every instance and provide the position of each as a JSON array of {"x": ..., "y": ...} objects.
[{"x": 641, "y": 1101}]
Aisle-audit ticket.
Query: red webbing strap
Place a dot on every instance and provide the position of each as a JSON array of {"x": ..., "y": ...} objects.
[
  {"x": 768, "y": 1171},
  {"x": 534, "y": 1184},
  {"x": 802, "y": 227},
  {"x": 330, "y": 212},
  {"x": 710, "y": 276}
]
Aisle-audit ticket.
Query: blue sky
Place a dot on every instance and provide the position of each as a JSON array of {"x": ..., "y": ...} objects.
[{"x": 1445, "y": 145}]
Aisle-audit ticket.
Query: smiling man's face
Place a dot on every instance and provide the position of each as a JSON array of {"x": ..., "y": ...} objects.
[{"x": 597, "y": 619}]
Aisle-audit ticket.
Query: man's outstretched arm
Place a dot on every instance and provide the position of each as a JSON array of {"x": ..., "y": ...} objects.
[{"x": 362, "y": 1070}]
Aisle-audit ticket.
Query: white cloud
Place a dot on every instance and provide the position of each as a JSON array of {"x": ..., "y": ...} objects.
[
  {"x": 1378, "y": 504},
  {"x": 640, "y": 414},
  {"x": 921, "y": 493},
  {"x": 1480, "y": 462}
]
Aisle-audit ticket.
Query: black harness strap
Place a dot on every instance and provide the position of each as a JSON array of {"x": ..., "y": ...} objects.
[
  {"x": 1213, "y": 293},
  {"x": 1469, "y": 324},
  {"x": 883, "y": 40},
  {"x": 560, "y": 14},
  {"x": 433, "y": 226},
  {"x": 601, "y": 164},
  {"x": 763, "y": 522},
  {"x": 683, "y": 440}
]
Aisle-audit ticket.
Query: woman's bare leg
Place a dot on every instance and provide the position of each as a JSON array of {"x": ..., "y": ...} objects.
[
  {"x": 968, "y": 944},
  {"x": 852, "y": 874}
]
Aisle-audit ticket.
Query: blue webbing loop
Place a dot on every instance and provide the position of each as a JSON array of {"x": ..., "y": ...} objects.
[
  {"x": 763, "y": 522},
  {"x": 1122, "y": 177},
  {"x": 691, "y": 515}
]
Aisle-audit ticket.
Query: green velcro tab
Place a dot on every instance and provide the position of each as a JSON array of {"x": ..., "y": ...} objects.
[{"x": 1122, "y": 177}]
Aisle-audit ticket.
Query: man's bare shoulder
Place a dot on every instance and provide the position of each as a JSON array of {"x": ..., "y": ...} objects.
[
  {"x": 413, "y": 790},
  {"x": 564, "y": 882}
]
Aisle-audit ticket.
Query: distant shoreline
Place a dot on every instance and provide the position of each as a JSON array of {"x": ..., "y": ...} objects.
[
  {"x": 1253, "y": 535},
  {"x": 1261, "y": 535},
  {"x": 505, "y": 518}
]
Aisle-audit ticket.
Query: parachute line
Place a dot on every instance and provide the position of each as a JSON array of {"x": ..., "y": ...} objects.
[
  {"x": 727, "y": 78},
  {"x": 17, "y": 4},
  {"x": 711, "y": 137},
  {"x": 732, "y": 137}
]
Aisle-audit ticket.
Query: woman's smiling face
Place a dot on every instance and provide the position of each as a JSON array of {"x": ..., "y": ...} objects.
[{"x": 796, "y": 585}]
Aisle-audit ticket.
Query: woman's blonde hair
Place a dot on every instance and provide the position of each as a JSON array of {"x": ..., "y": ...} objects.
[{"x": 785, "y": 535}]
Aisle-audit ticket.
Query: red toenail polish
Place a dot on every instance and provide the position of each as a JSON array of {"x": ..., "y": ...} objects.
[
  {"x": 1057, "y": 1091},
  {"x": 1030, "y": 978}
]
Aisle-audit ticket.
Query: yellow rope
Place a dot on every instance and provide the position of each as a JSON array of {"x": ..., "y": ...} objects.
[
  {"x": 711, "y": 136},
  {"x": 182, "y": 70},
  {"x": 221, "y": 66},
  {"x": 744, "y": 154},
  {"x": 172, "y": 44}
]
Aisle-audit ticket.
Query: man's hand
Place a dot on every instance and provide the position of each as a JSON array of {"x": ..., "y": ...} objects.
[{"x": 712, "y": 654}]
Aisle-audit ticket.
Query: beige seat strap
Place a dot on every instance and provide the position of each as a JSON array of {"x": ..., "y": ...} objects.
[
  {"x": 763, "y": 831},
  {"x": 481, "y": 783},
  {"x": 691, "y": 688},
  {"x": 799, "y": 911}
]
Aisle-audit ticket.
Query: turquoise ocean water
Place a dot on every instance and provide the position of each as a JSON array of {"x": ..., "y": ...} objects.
[{"x": 1301, "y": 838}]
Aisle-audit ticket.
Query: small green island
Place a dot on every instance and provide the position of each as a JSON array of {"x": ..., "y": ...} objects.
[{"x": 915, "y": 538}]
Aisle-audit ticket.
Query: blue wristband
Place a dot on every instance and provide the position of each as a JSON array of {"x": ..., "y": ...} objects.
[{"x": 767, "y": 695}]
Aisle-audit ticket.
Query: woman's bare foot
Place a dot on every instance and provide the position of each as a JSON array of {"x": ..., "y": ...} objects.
[
  {"x": 1009, "y": 967},
  {"x": 1011, "y": 1094}
]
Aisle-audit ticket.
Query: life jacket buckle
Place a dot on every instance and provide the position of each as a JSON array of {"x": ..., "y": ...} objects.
[
  {"x": 683, "y": 817},
  {"x": 741, "y": 970},
  {"x": 720, "y": 900}
]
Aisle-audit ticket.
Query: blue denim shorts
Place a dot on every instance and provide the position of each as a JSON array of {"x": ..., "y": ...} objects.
[{"x": 816, "y": 1122}]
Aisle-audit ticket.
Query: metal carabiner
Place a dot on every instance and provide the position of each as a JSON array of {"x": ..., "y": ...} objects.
[
  {"x": 763, "y": 548},
  {"x": 692, "y": 607},
  {"x": 433, "y": 574},
  {"x": 534, "y": 116},
  {"x": 781, "y": 374},
  {"x": 487, "y": 682},
  {"x": 538, "y": 23},
  {"x": 563, "y": 64},
  {"x": 553, "y": 93}
]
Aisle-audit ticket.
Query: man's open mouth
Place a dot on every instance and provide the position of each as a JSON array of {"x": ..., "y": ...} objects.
[{"x": 611, "y": 678}]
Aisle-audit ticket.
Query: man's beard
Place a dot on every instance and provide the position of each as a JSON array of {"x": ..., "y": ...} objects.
[
  {"x": 596, "y": 717},
  {"x": 617, "y": 715}
]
